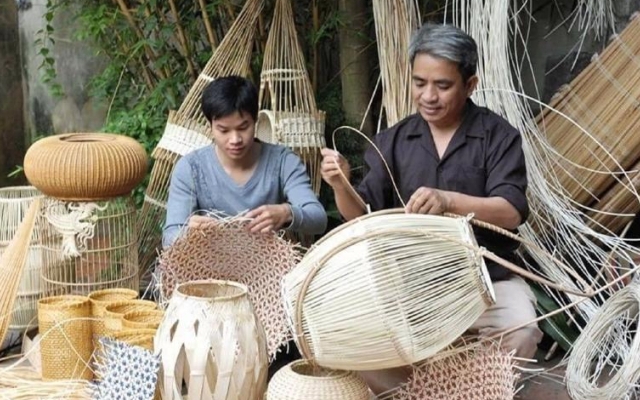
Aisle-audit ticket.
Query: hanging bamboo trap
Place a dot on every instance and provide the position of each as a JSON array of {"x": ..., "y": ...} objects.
[
  {"x": 227, "y": 251},
  {"x": 390, "y": 289},
  {"x": 187, "y": 129}
]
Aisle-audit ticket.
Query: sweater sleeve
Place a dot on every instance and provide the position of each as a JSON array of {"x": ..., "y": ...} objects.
[
  {"x": 309, "y": 215},
  {"x": 182, "y": 201}
]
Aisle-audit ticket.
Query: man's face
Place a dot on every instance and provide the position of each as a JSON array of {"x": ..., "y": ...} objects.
[
  {"x": 438, "y": 90},
  {"x": 233, "y": 134}
]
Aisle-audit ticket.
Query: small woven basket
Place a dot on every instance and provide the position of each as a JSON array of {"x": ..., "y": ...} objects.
[
  {"x": 115, "y": 311},
  {"x": 85, "y": 166},
  {"x": 303, "y": 381},
  {"x": 142, "y": 319},
  {"x": 100, "y": 299},
  {"x": 66, "y": 345},
  {"x": 137, "y": 337}
]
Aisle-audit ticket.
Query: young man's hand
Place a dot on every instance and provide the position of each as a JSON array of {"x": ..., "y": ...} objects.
[
  {"x": 428, "y": 201},
  {"x": 332, "y": 164},
  {"x": 269, "y": 218}
]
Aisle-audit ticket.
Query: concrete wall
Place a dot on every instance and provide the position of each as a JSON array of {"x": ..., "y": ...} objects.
[
  {"x": 12, "y": 142},
  {"x": 76, "y": 63}
]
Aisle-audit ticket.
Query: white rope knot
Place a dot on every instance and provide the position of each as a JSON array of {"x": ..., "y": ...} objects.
[{"x": 75, "y": 222}]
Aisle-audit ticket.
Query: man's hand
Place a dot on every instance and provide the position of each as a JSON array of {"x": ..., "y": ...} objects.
[
  {"x": 332, "y": 164},
  {"x": 269, "y": 218},
  {"x": 201, "y": 221},
  {"x": 428, "y": 201}
]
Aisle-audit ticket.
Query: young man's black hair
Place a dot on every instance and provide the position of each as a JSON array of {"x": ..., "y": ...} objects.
[{"x": 228, "y": 95}]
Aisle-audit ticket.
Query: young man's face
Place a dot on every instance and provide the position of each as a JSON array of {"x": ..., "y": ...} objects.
[
  {"x": 438, "y": 91},
  {"x": 233, "y": 134}
]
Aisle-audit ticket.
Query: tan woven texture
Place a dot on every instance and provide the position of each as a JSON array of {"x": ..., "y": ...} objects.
[
  {"x": 484, "y": 373},
  {"x": 100, "y": 299},
  {"x": 226, "y": 251},
  {"x": 115, "y": 311},
  {"x": 103, "y": 242},
  {"x": 301, "y": 381},
  {"x": 65, "y": 344},
  {"x": 85, "y": 166},
  {"x": 142, "y": 319},
  {"x": 136, "y": 337},
  {"x": 187, "y": 129},
  {"x": 383, "y": 291},
  {"x": 211, "y": 339},
  {"x": 14, "y": 204}
]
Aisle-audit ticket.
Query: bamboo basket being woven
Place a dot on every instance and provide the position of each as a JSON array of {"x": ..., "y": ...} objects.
[
  {"x": 382, "y": 291},
  {"x": 302, "y": 381}
]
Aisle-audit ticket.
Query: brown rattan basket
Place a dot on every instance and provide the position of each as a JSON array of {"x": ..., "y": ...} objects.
[
  {"x": 66, "y": 344},
  {"x": 115, "y": 311},
  {"x": 142, "y": 319},
  {"x": 100, "y": 299},
  {"x": 137, "y": 337},
  {"x": 85, "y": 166}
]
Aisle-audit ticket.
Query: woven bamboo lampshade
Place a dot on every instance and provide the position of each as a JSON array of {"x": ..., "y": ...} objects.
[
  {"x": 303, "y": 381},
  {"x": 383, "y": 291},
  {"x": 211, "y": 340},
  {"x": 66, "y": 344},
  {"x": 85, "y": 166},
  {"x": 14, "y": 203},
  {"x": 89, "y": 246}
]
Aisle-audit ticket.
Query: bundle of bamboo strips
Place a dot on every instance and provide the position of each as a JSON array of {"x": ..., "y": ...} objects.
[
  {"x": 188, "y": 130},
  {"x": 593, "y": 134}
]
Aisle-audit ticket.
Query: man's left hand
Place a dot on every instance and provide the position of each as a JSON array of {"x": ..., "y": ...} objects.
[
  {"x": 428, "y": 201},
  {"x": 269, "y": 218}
]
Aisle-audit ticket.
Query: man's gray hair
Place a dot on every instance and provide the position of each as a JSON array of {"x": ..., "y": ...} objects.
[{"x": 448, "y": 42}]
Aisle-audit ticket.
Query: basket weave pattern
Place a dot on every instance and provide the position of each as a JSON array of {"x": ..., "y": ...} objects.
[
  {"x": 142, "y": 319},
  {"x": 66, "y": 344},
  {"x": 115, "y": 311},
  {"x": 100, "y": 299}
]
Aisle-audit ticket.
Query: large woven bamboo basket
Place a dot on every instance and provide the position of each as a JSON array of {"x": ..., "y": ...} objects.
[
  {"x": 65, "y": 343},
  {"x": 85, "y": 166},
  {"x": 386, "y": 290},
  {"x": 212, "y": 341},
  {"x": 302, "y": 381}
]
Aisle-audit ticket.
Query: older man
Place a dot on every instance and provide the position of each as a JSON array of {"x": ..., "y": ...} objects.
[{"x": 451, "y": 156}]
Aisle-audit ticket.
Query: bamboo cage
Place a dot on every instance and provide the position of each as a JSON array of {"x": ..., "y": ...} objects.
[
  {"x": 88, "y": 246},
  {"x": 289, "y": 113},
  {"x": 395, "y": 22},
  {"x": 602, "y": 100},
  {"x": 187, "y": 129},
  {"x": 14, "y": 203}
]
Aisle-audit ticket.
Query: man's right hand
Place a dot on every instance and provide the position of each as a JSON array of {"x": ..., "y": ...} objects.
[
  {"x": 201, "y": 221},
  {"x": 332, "y": 164}
]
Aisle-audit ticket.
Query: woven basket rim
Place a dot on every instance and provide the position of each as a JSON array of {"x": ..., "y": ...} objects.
[
  {"x": 108, "y": 309},
  {"x": 337, "y": 373},
  {"x": 67, "y": 300},
  {"x": 243, "y": 290},
  {"x": 124, "y": 333},
  {"x": 141, "y": 312},
  {"x": 87, "y": 137},
  {"x": 97, "y": 293}
]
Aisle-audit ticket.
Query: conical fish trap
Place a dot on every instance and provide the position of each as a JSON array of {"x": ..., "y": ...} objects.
[
  {"x": 481, "y": 373},
  {"x": 386, "y": 290},
  {"x": 14, "y": 203},
  {"x": 302, "y": 381},
  {"x": 227, "y": 251}
]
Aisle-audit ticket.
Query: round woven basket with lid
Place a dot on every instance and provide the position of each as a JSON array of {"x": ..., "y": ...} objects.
[
  {"x": 302, "y": 381},
  {"x": 85, "y": 166}
]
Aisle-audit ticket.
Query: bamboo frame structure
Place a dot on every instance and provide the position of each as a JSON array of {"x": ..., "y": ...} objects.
[{"x": 187, "y": 129}]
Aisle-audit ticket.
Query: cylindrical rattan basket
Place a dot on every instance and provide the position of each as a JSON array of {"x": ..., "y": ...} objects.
[
  {"x": 136, "y": 337},
  {"x": 100, "y": 299},
  {"x": 115, "y": 311},
  {"x": 303, "y": 381},
  {"x": 85, "y": 166},
  {"x": 386, "y": 290},
  {"x": 65, "y": 344},
  {"x": 142, "y": 319}
]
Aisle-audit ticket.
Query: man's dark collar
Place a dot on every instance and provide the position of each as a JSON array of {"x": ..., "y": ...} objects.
[{"x": 470, "y": 111}]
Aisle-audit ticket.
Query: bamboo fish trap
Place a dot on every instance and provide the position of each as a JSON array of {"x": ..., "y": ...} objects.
[
  {"x": 211, "y": 340},
  {"x": 14, "y": 203},
  {"x": 289, "y": 113},
  {"x": 603, "y": 101},
  {"x": 187, "y": 129},
  {"x": 390, "y": 289}
]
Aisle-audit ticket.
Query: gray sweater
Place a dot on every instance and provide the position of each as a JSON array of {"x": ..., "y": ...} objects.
[{"x": 200, "y": 183}]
